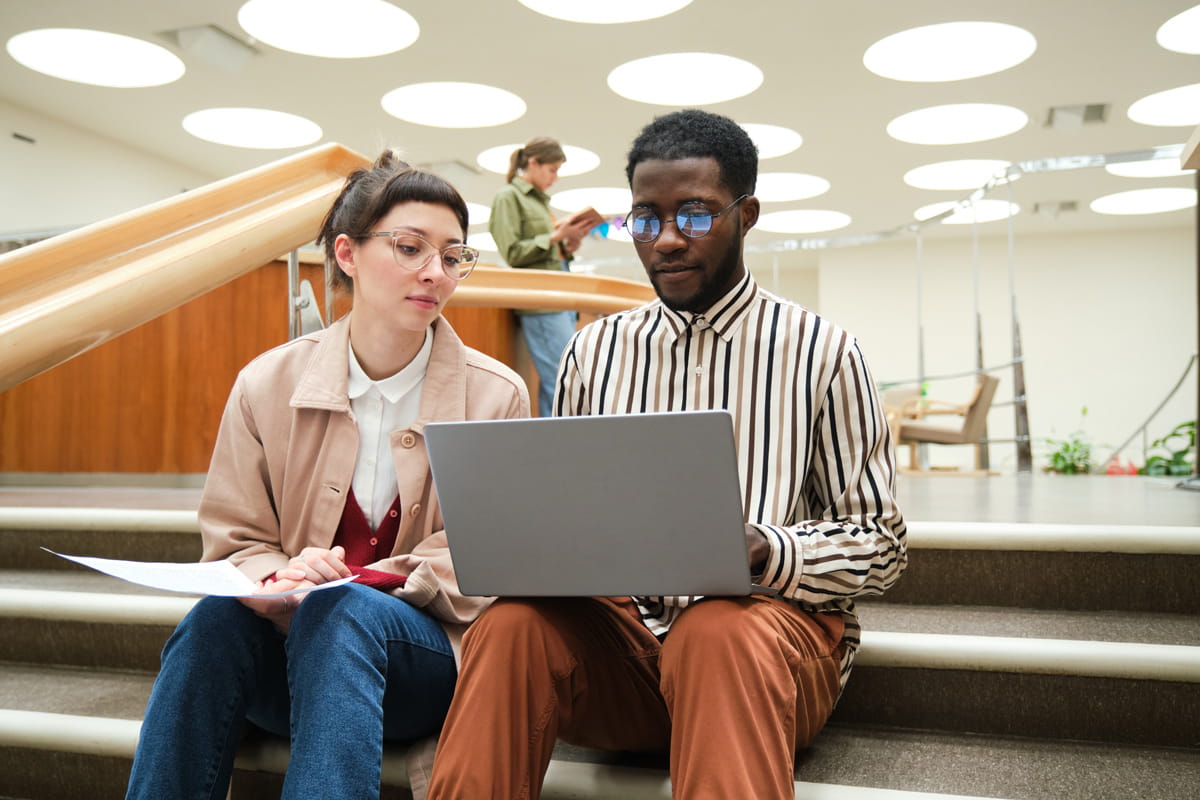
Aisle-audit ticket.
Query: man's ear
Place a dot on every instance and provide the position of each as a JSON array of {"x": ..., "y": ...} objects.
[
  {"x": 750, "y": 209},
  {"x": 343, "y": 251}
]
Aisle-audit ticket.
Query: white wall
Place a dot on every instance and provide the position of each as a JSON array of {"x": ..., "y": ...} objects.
[
  {"x": 1108, "y": 321},
  {"x": 68, "y": 177}
]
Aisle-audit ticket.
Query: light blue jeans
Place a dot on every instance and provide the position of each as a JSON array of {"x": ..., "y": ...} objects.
[
  {"x": 547, "y": 336},
  {"x": 357, "y": 666}
]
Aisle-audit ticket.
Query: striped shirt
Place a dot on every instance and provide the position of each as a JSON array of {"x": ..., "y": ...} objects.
[{"x": 815, "y": 457}]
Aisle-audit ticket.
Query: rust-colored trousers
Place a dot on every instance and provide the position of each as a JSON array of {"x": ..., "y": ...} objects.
[{"x": 737, "y": 686}]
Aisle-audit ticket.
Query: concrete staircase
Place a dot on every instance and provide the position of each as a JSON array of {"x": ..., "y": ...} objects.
[{"x": 1015, "y": 660}]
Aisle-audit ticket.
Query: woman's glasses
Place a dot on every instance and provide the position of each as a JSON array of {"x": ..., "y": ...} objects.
[
  {"x": 693, "y": 220},
  {"x": 414, "y": 253}
]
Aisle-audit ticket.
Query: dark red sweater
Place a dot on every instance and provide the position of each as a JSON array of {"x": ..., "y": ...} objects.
[{"x": 365, "y": 546}]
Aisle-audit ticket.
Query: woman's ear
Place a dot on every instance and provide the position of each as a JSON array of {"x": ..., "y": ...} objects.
[{"x": 344, "y": 251}]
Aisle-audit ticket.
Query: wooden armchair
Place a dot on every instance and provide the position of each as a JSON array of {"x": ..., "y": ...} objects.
[{"x": 913, "y": 427}]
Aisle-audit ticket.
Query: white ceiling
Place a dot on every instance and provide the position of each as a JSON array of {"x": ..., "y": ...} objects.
[{"x": 1089, "y": 51}]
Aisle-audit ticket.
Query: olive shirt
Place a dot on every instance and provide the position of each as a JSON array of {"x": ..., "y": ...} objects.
[{"x": 521, "y": 226}]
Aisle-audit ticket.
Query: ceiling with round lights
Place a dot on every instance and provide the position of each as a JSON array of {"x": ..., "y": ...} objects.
[
  {"x": 848, "y": 144},
  {"x": 967, "y": 213},
  {"x": 1145, "y": 201}
]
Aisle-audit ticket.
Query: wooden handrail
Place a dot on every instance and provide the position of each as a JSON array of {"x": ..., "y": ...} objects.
[
  {"x": 1190, "y": 157},
  {"x": 63, "y": 296},
  {"x": 68, "y": 294},
  {"x": 501, "y": 287}
]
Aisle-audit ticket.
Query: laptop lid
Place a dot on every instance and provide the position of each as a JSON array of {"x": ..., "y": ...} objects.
[{"x": 641, "y": 504}]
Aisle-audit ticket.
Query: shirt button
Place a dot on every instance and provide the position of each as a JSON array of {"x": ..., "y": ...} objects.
[
  {"x": 416, "y": 509},
  {"x": 699, "y": 370},
  {"x": 374, "y": 541},
  {"x": 392, "y": 513},
  {"x": 408, "y": 440}
]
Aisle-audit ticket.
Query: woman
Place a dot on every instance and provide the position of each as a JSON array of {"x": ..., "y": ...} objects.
[
  {"x": 319, "y": 472},
  {"x": 529, "y": 238}
]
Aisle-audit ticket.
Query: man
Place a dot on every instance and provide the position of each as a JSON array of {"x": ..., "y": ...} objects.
[{"x": 731, "y": 687}]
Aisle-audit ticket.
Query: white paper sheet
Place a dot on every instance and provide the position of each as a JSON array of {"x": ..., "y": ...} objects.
[{"x": 210, "y": 577}]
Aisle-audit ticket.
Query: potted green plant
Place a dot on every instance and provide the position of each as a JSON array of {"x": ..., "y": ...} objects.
[
  {"x": 1069, "y": 456},
  {"x": 1174, "y": 453}
]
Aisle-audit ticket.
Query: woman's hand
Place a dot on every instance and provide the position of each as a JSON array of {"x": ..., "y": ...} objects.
[
  {"x": 319, "y": 565},
  {"x": 278, "y": 610}
]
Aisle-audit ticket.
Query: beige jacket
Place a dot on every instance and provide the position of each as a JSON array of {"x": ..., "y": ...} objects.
[{"x": 287, "y": 447}]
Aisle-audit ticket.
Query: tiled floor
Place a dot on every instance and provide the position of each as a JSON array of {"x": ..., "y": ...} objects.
[{"x": 1100, "y": 499}]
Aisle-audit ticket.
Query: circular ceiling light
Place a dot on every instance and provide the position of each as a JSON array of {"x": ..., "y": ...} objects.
[
  {"x": 772, "y": 140},
  {"x": 966, "y": 173},
  {"x": 950, "y": 51},
  {"x": 980, "y": 211},
  {"x": 257, "y": 128},
  {"x": 957, "y": 123},
  {"x": 606, "y": 12},
  {"x": 667, "y": 79},
  {"x": 1144, "y": 201},
  {"x": 1178, "y": 106},
  {"x": 1181, "y": 32},
  {"x": 777, "y": 187},
  {"x": 446, "y": 104},
  {"x": 604, "y": 199},
  {"x": 95, "y": 57},
  {"x": 482, "y": 241},
  {"x": 579, "y": 160},
  {"x": 478, "y": 213},
  {"x": 330, "y": 28},
  {"x": 1154, "y": 168},
  {"x": 802, "y": 221}
]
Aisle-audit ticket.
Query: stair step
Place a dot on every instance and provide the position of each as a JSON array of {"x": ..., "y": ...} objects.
[{"x": 846, "y": 762}]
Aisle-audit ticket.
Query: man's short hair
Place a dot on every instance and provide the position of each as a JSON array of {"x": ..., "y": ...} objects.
[{"x": 692, "y": 133}]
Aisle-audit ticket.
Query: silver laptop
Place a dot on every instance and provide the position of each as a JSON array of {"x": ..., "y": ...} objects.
[{"x": 641, "y": 504}]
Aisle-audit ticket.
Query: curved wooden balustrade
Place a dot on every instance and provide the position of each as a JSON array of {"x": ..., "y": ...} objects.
[
  {"x": 501, "y": 287},
  {"x": 63, "y": 296}
]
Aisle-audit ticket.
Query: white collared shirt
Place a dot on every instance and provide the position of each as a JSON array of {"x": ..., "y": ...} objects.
[{"x": 381, "y": 407}]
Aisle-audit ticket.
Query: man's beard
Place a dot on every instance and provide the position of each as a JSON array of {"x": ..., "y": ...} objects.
[{"x": 715, "y": 285}]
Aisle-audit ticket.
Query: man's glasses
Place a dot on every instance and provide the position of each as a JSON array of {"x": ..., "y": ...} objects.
[
  {"x": 693, "y": 220},
  {"x": 414, "y": 253}
]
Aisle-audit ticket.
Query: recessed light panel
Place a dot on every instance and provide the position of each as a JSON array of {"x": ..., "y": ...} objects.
[
  {"x": 966, "y": 173},
  {"x": 772, "y": 140},
  {"x": 802, "y": 221},
  {"x": 256, "y": 128},
  {"x": 453, "y": 105},
  {"x": 609, "y": 11},
  {"x": 604, "y": 199},
  {"x": 1178, "y": 106},
  {"x": 980, "y": 211},
  {"x": 1154, "y": 168},
  {"x": 478, "y": 213},
  {"x": 1181, "y": 32},
  {"x": 685, "y": 79},
  {"x": 957, "y": 123},
  {"x": 579, "y": 160},
  {"x": 951, "y": 51},
  {"x": 483, "y": 241},
  {"x": 787, "y": 186},
  {"x": 330, "y": 28},
  {"x": 96, "y": 58},
  {"x": 1145, "y": 201}
]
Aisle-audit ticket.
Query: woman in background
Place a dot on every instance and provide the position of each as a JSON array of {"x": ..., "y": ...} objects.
[
  {"x": 529, "y": 238},
  {"x": 319, "y": 472}
]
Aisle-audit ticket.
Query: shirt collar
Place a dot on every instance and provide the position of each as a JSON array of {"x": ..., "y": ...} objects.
[
  {"x": 395, "y": 386},
  {"x": 724, "y": 316},
  {"x": 525, "y": 187}
]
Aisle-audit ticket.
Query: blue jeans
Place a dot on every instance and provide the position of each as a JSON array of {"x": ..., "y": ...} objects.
[
  {"x": 547, "y": 336},
  {"x": 357, "y": 666}
]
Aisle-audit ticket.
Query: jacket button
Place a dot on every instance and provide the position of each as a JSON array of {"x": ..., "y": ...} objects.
[
  {"x": 416, "y": 509},
  {"x": 408, "y": 440}
]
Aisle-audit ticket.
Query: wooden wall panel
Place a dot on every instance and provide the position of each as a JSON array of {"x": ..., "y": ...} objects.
[{"x": 150, "y": 401}]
